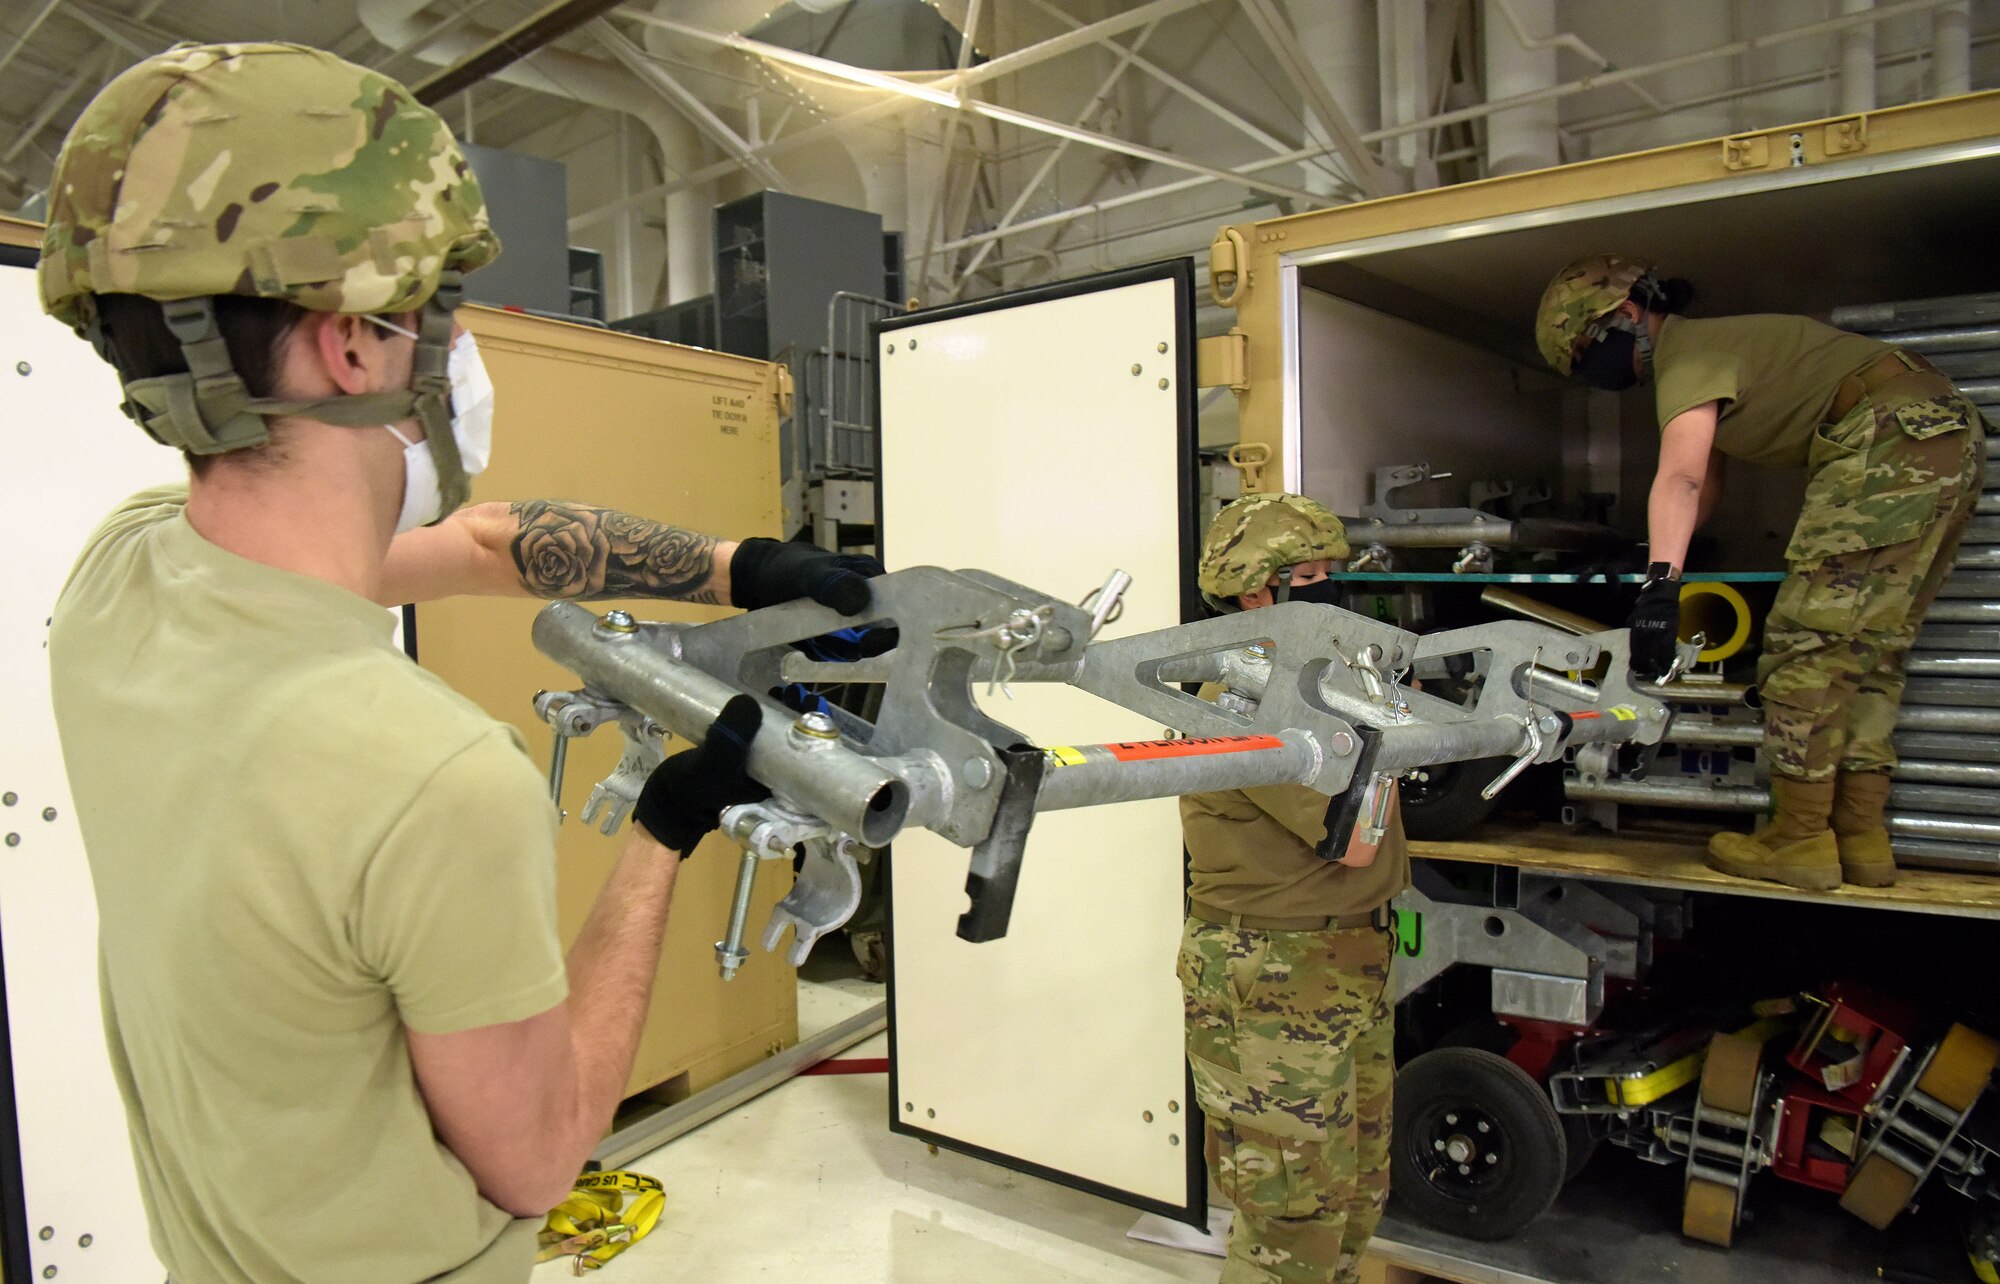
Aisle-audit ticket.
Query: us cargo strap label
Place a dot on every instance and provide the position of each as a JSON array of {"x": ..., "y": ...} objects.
[{"x": 1147, "y": 750}]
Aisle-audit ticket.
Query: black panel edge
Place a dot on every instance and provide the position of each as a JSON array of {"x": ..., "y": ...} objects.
[
  {"x": 16, "y": 1253},
  {"x": 1194, "y": 1212}
]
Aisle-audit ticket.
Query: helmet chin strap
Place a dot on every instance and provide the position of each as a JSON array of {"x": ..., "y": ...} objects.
[
  {"x": 207, "y": 410},
  {"x": 1283, "y": 593}
]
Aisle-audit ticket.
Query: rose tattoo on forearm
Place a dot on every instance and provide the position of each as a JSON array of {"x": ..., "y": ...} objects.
[{"x": 583, "y": 552}]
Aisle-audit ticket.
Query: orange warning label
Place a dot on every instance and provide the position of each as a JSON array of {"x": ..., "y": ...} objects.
[{"x": 1141, "y": 750}]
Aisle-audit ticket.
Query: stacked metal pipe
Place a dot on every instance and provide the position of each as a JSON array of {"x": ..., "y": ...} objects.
[{"x": 1945, "y": 811}]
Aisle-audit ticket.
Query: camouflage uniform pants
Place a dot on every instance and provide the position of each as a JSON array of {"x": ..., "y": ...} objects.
[
  {"x": 1841, "y": 628},
  {"x": 1289, "y": 1038}
]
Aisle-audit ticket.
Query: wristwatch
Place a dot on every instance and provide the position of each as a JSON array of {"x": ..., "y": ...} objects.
[{"x": 1661, "y": 572}]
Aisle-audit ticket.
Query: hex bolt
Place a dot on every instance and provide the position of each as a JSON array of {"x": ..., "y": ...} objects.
[
  {"x": 1163, "y": 384},
  {"x": 23, "y": 368},
  {"x": 815, "y": 730},
  {"x": 1137, "y": 368},
  {"x": 1162, "y": 346},
  {"x": 48, "y": 813}
]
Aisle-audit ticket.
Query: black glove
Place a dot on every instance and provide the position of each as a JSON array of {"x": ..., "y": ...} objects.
[
  {"x": 765, "y": 572},
  {"x": 1656, "y": 623},
  {"x": 685, "y": 796}
]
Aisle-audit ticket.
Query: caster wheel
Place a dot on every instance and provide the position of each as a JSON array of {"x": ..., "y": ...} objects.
[
  {"x": 1478, "y": 1149},
  {"x": 1442, "y": 804},
  {"x": 1959, "y": 1070},
  {"x": 1878, "y": 1191},
  {"x": 1708, "y": 1213},
  {"x": 1729, "y": 1074}
]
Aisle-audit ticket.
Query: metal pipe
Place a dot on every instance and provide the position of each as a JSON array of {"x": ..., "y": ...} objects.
[
  {"x": 1714, "y": 733},
  {"x": 854, "y": 793},
  {"x": 1499, "y": 532},
  {"x": 1687, "y": 691},
  {"x": 545, "y": 26},
  {"x": 1955, "y": 338},
  {"x": 653, "y": 1131},
  {"x": 1977, "y": 557},
  {"x": 1952, "y": 828},
  {"x": 1091, "y": 775},
  {"x": 1945, "y": 799},
  {"x": 1937, "y": 717},
  {"x": 1671, "y": 793},
  {"x": 1857, "y": 62},
  {"x": 1951, "y": 49},
  {"x": 1963, "y": 612},
  {"x": 1961, "y": 692},
  {"x": 1937, "y": 853},
  {"x": 1540, "y": 612},
  {"x": 1959, "y": 639},
  {"x": 1944, "y": 744},
  {"x": 1980, "y": 775}
]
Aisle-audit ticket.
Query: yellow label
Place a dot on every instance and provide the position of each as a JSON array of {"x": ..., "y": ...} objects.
[
  {"x": 1065, "y": 755},
  {"x": 1624, "y": 713}
]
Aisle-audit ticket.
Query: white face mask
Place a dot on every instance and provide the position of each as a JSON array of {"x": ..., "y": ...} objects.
[{"x": 471, "y": 428}]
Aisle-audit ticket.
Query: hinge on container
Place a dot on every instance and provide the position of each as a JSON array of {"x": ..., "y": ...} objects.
[
  {"x": 783, "y": 391},
  {"x": 1746, "y": 151},
  {"x": 1846, "y": 135},
  {"x": 1223, "y": 361}
]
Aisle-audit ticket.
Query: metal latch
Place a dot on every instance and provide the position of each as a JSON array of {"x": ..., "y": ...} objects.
[{"x": 783, "y": 391}]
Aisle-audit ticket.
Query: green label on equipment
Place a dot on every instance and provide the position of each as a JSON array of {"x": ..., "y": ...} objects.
[{"x": 1409, "y": 934}]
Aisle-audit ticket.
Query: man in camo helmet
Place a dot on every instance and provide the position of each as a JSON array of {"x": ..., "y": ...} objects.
[
  {"x": 333, "y": 986},
  {"x": 1256, "y": 541},
  {"x": 1308, "y": 939},
  {"x": 1894, "y": 460}
]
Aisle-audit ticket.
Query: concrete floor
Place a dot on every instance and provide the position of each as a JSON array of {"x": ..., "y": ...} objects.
[{"x": 807, "y": 1183}]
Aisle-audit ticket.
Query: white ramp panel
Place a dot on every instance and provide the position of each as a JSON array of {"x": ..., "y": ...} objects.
[
  {"x": 1037, "y": 442},
  {"x": 67, "y": 456}
]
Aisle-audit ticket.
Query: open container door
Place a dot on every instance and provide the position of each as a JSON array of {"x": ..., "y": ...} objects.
[
  {"x": 1048, "y": 436},
  {"x": 70, "y": 1207}
]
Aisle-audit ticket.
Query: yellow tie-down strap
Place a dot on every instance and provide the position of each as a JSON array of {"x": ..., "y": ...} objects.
[{"x": 596, "y": 1223}]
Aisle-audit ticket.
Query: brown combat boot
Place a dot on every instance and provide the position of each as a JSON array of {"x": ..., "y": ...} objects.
[
  {"x": 1860, "y": 798},
  {"x": 1796, "y": 848}
]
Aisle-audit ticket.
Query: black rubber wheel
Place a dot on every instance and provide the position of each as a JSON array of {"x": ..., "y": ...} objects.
[
  {"x": 1442, "y": 803},
  {"x": 1479, "y": 1150},
  {"x": 1581, "y": 1144}
]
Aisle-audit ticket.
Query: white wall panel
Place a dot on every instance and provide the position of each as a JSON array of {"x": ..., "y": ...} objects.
[
  {"x": 1036, "y": 442},
  {"x": 67, "y": 456}
]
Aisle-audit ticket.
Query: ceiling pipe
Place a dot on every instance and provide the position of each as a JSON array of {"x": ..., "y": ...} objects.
[
  {"x": 1522, "y": 138},
  {"x": 1857, "y": 61},
  {"x": 543, "y": 28},
  {"x": 1951, "y": 49},
  {"x": 1736, "y": 48}
]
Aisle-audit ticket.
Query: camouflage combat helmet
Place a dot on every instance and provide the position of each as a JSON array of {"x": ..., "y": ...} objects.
[
  {"x": 272, "y": 170},
  {"x": 1581, "y": 294},
  {"x": 1253, "y": 537}
]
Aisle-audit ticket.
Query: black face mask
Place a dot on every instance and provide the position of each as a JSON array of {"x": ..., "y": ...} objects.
[
  {"x": 1324, "y": 592},
  {"x": 1607, "y": 364}
]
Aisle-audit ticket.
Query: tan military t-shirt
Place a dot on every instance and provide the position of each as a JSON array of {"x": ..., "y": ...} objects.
[
  {"x": 1251, "y": 851},
  {"x": 1775, "y": 375},
  {"x": 301, "y": 842}
]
